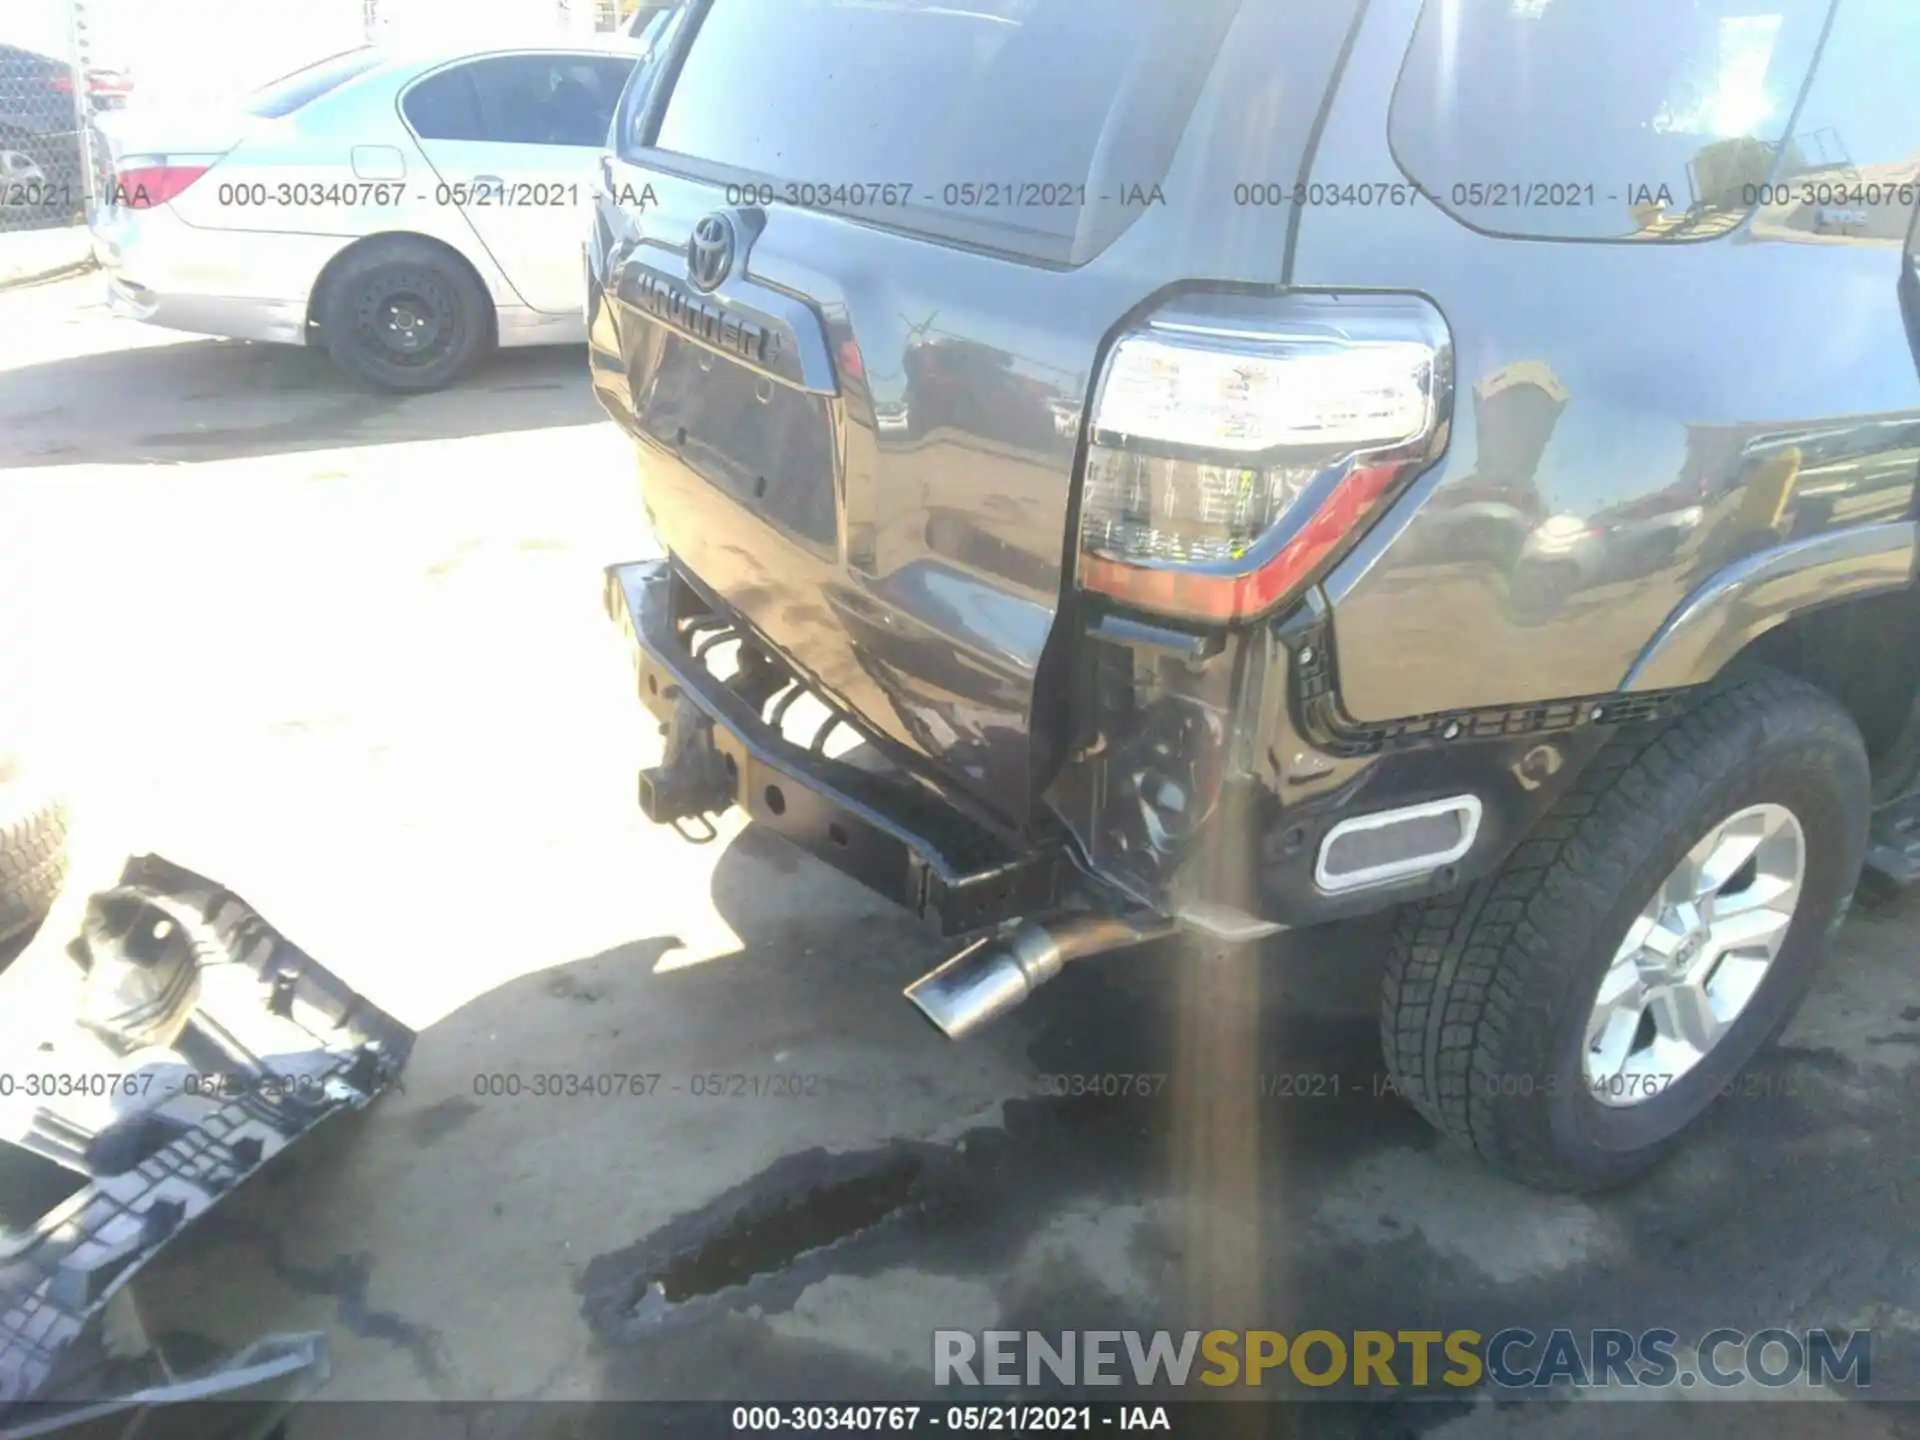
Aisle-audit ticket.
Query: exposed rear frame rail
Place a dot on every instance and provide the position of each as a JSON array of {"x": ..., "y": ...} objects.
[{"x": 955, "y": 875}]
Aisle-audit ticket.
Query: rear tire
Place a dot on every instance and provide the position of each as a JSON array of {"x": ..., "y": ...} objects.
[
  {"x": 405, "y": 315},
  {"x": 33, "y": 855},
  {"x": 1491, "y": 992}
]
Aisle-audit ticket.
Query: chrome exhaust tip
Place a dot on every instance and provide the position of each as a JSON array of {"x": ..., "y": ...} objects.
[
  {"x": 992, "y": 976},
  {"x": 984, "y": 981}
]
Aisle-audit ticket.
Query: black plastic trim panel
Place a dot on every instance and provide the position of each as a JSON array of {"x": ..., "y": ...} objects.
[{"x": 1313, "y": 697}]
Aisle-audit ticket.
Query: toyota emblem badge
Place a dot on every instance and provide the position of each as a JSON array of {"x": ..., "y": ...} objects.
[{"x": 710, "y": 252}]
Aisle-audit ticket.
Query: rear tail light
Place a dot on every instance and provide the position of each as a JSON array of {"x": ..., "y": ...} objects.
[
  {"x": 1239, "y": 445},
  {"x": 142, "y": 187}
]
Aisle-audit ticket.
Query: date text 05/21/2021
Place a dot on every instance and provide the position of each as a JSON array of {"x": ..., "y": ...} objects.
[{"x": 969, "y": 1419}]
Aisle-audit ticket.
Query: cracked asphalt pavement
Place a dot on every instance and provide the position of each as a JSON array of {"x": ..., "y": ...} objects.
[{"x": 345, "y": 652}]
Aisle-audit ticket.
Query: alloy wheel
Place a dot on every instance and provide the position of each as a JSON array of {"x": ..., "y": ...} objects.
[{"x": 1695, "y": 955}]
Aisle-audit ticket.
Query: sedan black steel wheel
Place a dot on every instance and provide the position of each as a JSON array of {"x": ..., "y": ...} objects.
[{"x": 403, "y": 316}]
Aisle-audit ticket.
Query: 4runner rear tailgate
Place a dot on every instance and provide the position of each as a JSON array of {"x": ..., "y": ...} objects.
[{"x": 854, "y": 321}]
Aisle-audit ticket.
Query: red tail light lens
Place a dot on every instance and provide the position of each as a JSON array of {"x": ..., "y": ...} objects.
[
  {"x": 1238, "y": 445},
  {"x": 142, "y": 187},
  {"x": 852, "y": 365}
]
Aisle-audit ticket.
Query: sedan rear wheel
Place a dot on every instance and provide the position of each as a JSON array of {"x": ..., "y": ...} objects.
[{"x": 403, "y": 316}]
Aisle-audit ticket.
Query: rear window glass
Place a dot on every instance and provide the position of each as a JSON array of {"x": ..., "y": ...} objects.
[
  {"x": 1014, "y": 114},
  {"x": 1604, "y": 119},
  {"x": 287, "y": 94},
  {"x": 534, "y": 99}
]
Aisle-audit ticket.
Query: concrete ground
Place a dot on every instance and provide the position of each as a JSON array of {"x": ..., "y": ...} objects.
[
  {"x": 345, "y": 652},
  {"x": 28, "y": 255}
]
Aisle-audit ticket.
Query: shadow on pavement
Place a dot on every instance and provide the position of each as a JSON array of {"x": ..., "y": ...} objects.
[{"x": 1245, "y": 1170}]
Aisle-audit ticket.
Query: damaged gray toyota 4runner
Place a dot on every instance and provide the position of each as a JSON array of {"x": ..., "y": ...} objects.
[{"x": 1129, "y": 466}]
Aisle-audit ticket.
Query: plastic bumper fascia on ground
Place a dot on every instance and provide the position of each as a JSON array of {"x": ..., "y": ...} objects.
[
  {"x": 893, "y": 834},
  {"x": 202, "y": 1043},
  {"x": 247, "y": 1398}
]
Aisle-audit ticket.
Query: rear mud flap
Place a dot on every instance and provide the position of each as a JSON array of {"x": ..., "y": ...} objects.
[{"x": 201, "y": 1044}]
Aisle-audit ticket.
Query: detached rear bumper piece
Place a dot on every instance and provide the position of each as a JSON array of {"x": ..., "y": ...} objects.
[
  {"x": 202, "y": 1043},
  {"x": 247, "y": 1398},
  {"x": 891, "y": 830}
]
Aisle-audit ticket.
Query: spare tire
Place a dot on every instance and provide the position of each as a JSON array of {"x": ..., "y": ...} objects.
[{"x": 33, "y": 849}]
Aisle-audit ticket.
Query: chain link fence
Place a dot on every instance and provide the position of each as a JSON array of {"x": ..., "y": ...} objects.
[{"x": 48, "y": 94}]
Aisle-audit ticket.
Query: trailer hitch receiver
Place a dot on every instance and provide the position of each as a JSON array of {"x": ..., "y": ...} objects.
[{"x": 693, "y": 779}]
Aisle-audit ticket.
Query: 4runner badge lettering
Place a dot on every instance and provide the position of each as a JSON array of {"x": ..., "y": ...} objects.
[{"x": 705, "y": 320}]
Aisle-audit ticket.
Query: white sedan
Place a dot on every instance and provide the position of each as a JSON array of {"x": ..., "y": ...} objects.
[{"x": 405, "y": 211}]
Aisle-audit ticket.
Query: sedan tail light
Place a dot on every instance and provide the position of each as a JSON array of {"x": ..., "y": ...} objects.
[
  {"x": 1239, "y": 445},
  {"x": 143, "y": 187}
]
